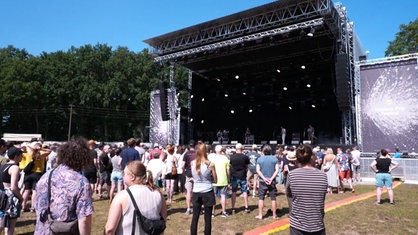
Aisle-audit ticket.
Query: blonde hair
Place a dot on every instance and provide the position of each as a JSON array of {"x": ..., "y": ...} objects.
[
  {"x": 201, "y": 155},
  {"x": 330, "y": 151},
  {"x": 143, "y": 176}
]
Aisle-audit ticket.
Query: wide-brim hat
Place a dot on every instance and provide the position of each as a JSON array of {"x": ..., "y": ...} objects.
[{"x": 291, "y": 156}]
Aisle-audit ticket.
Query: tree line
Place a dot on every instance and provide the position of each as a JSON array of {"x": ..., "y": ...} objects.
[{"x": 105, "y": 92}]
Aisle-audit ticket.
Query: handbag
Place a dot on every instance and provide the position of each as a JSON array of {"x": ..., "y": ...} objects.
[
  {"x": 150, "y": 226},
  {"x": 58, "y": 227},
  {"x": 328, "y": 165}
]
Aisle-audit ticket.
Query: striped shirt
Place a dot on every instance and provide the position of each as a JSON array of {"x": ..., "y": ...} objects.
[{"x": 307, "y": 187}]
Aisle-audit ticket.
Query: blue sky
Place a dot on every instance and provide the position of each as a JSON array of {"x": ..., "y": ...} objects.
[{"x": 57, "y": 24}]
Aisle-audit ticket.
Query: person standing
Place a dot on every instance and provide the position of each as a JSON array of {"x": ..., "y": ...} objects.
[
  {"x": 345, "y": 173},
  {"x": 72, "y": 157},
  {"x": 307, "y": 186},
  {"x": 38, "y": 156},
  {"x": 204, "y": 175},
  {"x": 355, "y": 162},
  {"x": 221, "y": 163},
  {"x": 170, "y": 162},
  {"x": 330, "y": 166},
  {"x": 147, "y": 196},
  {"x": 267, "y": 169},
  {"x": 116, "y": 176},
  {"x": 239, "y": 165},
  {"x": 10, "y": 174},
  {"x": 188, "y": 157},
  {"x": 129, "y": 154},
  {"x": 283, "y": 133},
  {"x": 383, "y": 165},
  {"x": 253, "y": 156}
]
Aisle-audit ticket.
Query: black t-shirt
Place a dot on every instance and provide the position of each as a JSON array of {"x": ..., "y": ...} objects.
[
  {"x": 188, "y": 157},
  {"x": 239, "y": 163},
  {"x": 91, "y": 167},
  {"x": 104, "y": 161},
  {"x": 383, "y": 164}
]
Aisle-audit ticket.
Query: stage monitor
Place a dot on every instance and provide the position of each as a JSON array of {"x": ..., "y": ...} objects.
[{"x": 389, "y": 98}]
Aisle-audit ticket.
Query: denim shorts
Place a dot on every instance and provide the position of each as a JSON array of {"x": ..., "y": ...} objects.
[
  {"x": 116, "y": 177},
  {"x": 384, "y": 179},
  {"x": 242, "y": 182}
]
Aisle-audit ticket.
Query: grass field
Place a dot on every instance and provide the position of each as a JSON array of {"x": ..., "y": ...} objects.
[{"x": 363, "y": 217}]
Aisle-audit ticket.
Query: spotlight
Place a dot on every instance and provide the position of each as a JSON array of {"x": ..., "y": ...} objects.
[
  {"x": 308, "y": 85},
  {"x": 290, "y": 107},
  {"x": 203, "y": 121},
  {"x": 285, "y": 88},
  {"x": 218, "y": 79},
  {"x": 311, "y": 32},
  {"x": 226, "y": 95},
  {"x": 313, "y": 106},
  {"x": 303, "y": 67},
  {"x": 278, "y": 70},
  {"x": 203, "y": 99},
  {"x": 236, "y": 77},
  {"x": 191, "y": 96},
  {"x": 250, "y": 110},
  {"x": 232, "y": 111}
]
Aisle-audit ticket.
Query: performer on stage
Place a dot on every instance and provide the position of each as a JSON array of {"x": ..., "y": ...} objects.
[
  {"x": 311, "y": 133},
  {"x": 247, "y": 135},
  {"x": 283, "y": 132},
  {"x": 219, "y": 136}
]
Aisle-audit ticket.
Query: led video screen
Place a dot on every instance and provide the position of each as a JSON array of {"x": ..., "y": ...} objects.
[{"x": 389, "y": 106}]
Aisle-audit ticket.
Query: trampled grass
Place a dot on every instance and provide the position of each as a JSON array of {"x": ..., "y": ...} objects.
[{"x": 363, "y": 217}]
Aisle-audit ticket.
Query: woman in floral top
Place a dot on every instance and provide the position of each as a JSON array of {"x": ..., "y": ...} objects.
[{"x": 67, "y": 186}]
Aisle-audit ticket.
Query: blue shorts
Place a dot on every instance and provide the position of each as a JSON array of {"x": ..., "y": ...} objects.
[
  {"x": 116, "y": 177},
  {"x": 242, "y": 182},
  {"x": 384, "y": 179}
]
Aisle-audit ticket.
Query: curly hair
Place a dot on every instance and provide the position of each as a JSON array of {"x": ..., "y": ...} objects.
[{"x": 74, "y": 154}]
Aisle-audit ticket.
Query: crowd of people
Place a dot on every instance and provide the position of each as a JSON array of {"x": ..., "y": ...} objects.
[{"x": 81, "y": 168}]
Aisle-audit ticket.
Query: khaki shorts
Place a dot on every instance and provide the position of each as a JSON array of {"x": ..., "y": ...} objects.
[
  {"x": 189, "y": 184},
  {"x": 251, "y": 175}
]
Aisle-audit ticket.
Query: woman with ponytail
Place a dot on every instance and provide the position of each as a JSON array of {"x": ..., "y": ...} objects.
[
  {"x": 204, "y": 175},
  {"x": 147, "y": 196}
]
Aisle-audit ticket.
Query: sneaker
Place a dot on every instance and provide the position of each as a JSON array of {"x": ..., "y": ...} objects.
[
  {"x": 247, "y": 210},
  {"x": 188, "y": 212},
  {"x": 378, "y": 203},
  {"x": 213, "y": 215},
  {"x": 224, "y": 214}
]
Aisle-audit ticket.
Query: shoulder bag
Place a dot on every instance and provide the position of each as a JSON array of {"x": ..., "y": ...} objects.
[{"x": 150, "y": 226}]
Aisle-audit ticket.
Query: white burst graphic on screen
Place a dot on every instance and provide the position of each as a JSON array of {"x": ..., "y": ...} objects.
[{"x": 391, "y": 103}]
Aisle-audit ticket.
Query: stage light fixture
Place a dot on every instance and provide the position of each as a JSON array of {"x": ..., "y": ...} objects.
[
  {"x": 250, "y": 110},
  {"x": 303, "y": 67},
  {"x": 232, "y": 111},
  {"x": 203, "y": 99},
  {"x": 226, "y": 95},
  {"x": 191, "y": 119},
  {"x": 236, "y": 77},
  {"x": 285, "y": 88},
  {"x": 308, "y": 85},
  {"x": 218, "y": 79},
  {"x": 290, "y": 107},
  {"x": 311, "y": 32},
  {"x": 313, "y": 106},
  {"x": 243, "y": 93},
  {"x": 203, "y": 121},
  {"x": 278, "y": 70},
  {"x": 191, "y": 96}
]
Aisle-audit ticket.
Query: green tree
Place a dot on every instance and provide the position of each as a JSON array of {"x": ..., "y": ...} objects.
[{"x": 406, "y": 40}]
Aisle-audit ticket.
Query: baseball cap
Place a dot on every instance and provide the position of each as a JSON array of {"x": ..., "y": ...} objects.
[
  {"x": 238, "y": 146},
  {"x": 13, "y": 152}
]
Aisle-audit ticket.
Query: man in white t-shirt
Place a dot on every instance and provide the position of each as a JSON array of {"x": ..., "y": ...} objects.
[{"x": 355, "y": 162}]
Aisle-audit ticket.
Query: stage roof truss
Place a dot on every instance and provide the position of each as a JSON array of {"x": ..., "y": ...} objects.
[
  {"x": 239, "y": 40},
  {"x": 240, "y": 24}
]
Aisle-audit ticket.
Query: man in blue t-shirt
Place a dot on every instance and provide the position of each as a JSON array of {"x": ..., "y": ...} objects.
[{"x": 267, "y": 169}]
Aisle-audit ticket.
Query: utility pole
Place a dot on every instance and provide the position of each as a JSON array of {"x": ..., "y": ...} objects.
[{"x": 69, "y": 122}]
